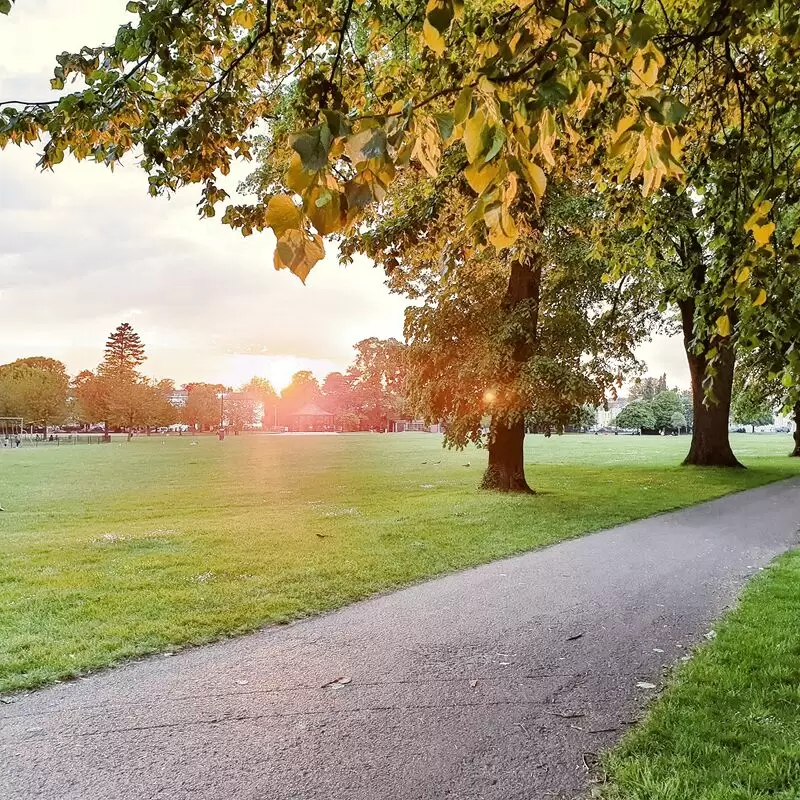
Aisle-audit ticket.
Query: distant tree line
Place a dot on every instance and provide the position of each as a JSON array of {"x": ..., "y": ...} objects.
[{"x": 116, "y": 396}]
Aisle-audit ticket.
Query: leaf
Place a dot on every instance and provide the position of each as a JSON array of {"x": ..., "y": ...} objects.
[
  {"x": 787, "y": 380},
  {"x": 796, "y": 238},
  {"x": 364, "y": 145},
  {"x": 724, "y": 325},
  {"x": 536, "y": 178},
  {"x": 297, "y": 178},
  {"x": 498, "y": 140},
  {"x": 505, "y": 232},
  {"x": 243, "y": 17},
  {"x": 439, "y": 13},
  {"x": 312, "y": 146},
  {"x": 282, "y": 215},
  {"x": 480, "y": 176},
  {"x": 132, "y": 7},
  {"x": 474, "y": 134},
  {"x": 433, "y": 38},
  {"x": 463, "y": 106},
  {"x": 297, "y": 253},
  {"x": 743, "y": 275},
  {"x": 5, "y": 6},
  {"x": 324, "y": 211},
  {"x": 761, "y": 299},
  {"x": 445, "y": 124},
  {"x": 763, "y": 233}
]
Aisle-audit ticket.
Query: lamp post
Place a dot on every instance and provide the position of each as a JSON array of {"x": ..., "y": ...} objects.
[{"x": 221, "y": 396}]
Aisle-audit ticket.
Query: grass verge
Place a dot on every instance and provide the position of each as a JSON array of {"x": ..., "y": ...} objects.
[
  {"x": 111, "y": 552},
  {"x": 728, "y": 728}
]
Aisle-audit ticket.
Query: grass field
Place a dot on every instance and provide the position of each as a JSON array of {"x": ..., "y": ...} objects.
[
  {"x": 113, "y": 551},
  {"x": 728, "y": 728}
]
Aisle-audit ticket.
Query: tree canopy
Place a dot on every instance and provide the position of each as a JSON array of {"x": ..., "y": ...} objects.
[{"x": 350, "y": 93}]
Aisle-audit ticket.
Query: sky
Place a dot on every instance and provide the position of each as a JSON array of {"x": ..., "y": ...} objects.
[{"x": 83, "y": 249}]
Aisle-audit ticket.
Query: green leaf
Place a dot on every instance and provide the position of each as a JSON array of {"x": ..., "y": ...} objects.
[
  {"x": 439, "y": 13},
  {"x": 445, "y": 123},
  {"x": 365, "y": 145},
  {"x": 463, "y": 106},
  {"x": 312, "y": 147},
  {"x": 498, "y": 140},
  {"x": 5, "y": 6},
  {"x": 132, "y": 7}
]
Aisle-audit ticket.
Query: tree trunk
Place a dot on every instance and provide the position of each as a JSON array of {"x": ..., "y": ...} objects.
[
  {"x": 506, "y": 470},
  {"x": 796, "y": 452},
  {"x": 710, "y": 437}
]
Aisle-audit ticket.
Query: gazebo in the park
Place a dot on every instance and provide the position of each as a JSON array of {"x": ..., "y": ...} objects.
[{"x": 312, "y": 418}]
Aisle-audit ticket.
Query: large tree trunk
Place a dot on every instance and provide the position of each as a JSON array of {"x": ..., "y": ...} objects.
[
  {"x": 710, "y": 436},
  {"x": 506, "y": 470},
  {"x": 796, "y": 452}
]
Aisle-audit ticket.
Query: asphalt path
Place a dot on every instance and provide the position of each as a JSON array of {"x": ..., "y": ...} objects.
[{"x": 503, "y": 681}]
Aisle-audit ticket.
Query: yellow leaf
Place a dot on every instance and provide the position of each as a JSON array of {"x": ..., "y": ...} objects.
[
  {"x": 536, "y": 178},
  {"x": 505, "y": 233},
  {"x": 297, "y": 253},
  {"x": 474, "y": 135},
  {"x": 761, "y": 299},
  {"x": 724, "y": 325},
  {"x": 297, "y": 178},
  {"x": 282, "y": 215},
  {"x": 763, "y": 233},
  {"x": 743, "y": 275},
  {"x": 244, "y": 17},
  {"x": 324, "y": 210},
  {"x": 433, "y": 38},
  {"x": 796, "y": 238},
  {"x": 480, "y": 176}
]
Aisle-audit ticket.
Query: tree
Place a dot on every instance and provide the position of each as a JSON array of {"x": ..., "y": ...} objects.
[
  {"x": 346, "y": 96},
  {"x": 664, "y": 406},
  {"x": 203, "y": 409},
  {"x": 36, "y": 389},
  {"x": 240, "y": 410},
  {"x": 525, "y": 338},
  {"x": 647, "y": 388},
  {"x": 376, "y": 380},
  {"x": 751, "y": 407},
  {"x": 340, "y": 400},
  {"x": 303, "y": 390},
  {"x": 264, "y": 393},
  {"x": 636, "y": 415},
  {"x": 124, "y": 352},
  {"x": 678, "y": 421}
]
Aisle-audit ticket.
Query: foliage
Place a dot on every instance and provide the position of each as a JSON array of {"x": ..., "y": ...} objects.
[
  {"x": 664, "y": 405},
  {"x": 647, "y": 388},
  {"x": 203, "y": 409},
  {"x": 678, "y": 421},
  {"x": 751, "y": 406},
  {"x": 240, "y": 410},
  {"x": 135, "y": 540},
  {"x": 351, "y": 93},
  {"x": 34, "y": 388},
  {"x": 636, "y": 415}
]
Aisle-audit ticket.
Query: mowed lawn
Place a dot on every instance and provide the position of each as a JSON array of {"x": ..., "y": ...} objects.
[{"x": 113, "y": 551}]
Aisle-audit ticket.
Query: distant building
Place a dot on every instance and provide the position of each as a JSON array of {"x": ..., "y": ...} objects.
[
  {"x": 312, "y": 418},
  {"x": 414, "y": 425},
  {"x": 178, "y": 398},
  {"x": 607, "y": 416}
]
